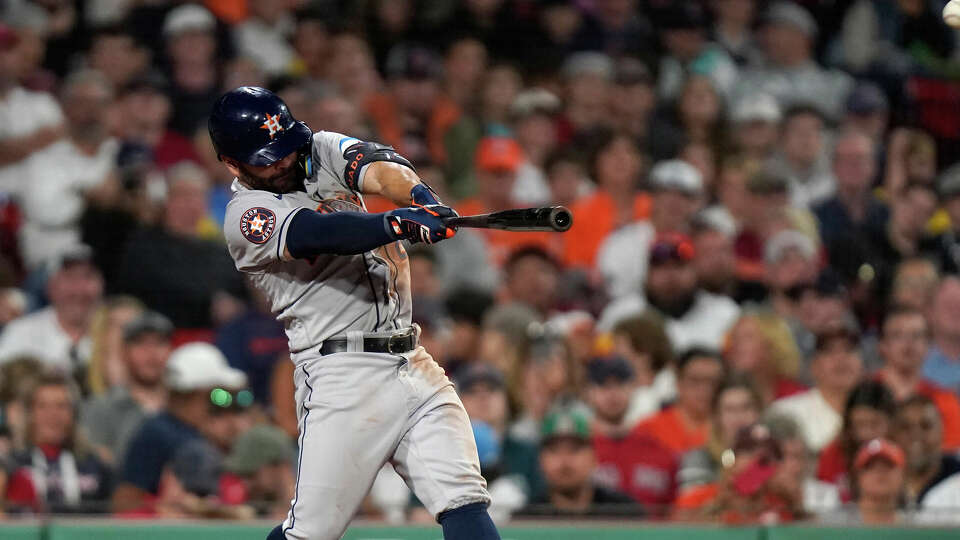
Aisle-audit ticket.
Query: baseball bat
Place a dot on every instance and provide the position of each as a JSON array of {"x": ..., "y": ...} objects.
[{"x": 544, "y": 218}]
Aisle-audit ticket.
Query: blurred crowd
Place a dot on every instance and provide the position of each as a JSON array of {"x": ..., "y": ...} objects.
[{"x": 754, "y": 319}]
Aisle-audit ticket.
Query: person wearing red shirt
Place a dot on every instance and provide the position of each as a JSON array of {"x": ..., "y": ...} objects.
[
  {"x": 904, "y": 340},
  {"x": 627, "y": 460},
  {"x": 867, "y": 414},
  {"x": 496, "y": 162},
  {"x": 685, "y": 425}
]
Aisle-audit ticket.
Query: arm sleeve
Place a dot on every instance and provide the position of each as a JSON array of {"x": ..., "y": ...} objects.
[
  {"x": 339, "y": 233},
  {"x": 328, "y": 151}
]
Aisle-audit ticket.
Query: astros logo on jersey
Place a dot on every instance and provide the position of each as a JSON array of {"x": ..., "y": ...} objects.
[
  {"x": 257, "y": 224},
  {"x": 272, "y": 124}
]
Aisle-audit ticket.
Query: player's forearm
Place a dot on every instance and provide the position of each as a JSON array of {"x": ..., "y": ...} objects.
[
  {"x": 340, "y": 233},
  {"x": 390, "y": 180}
]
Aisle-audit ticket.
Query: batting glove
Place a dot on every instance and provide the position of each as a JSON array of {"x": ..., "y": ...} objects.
[{"x": 421, "y": 223}]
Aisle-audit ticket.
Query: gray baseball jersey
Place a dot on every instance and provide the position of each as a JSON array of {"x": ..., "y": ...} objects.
[{"x": 328, "y": 295}]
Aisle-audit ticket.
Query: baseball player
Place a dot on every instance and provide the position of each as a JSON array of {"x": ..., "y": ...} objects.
[{"x": 338, "y": 279}]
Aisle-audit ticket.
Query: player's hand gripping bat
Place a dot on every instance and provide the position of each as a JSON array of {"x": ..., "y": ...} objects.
[{"x": 544, "y": 218}]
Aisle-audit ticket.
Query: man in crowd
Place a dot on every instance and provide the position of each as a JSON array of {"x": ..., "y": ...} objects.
[
  {"x": 695, "y": 318},
  {"x": 59, "y": 334},
  {"x": 919, "y": 431},
  {"x": 836, "y": 369},
  {"x": 200, "y": 407},
  {"x": 628, "y": 460},
  {"x": 569, "y": 463},
  {"x": 903, "y": 343},
  {"x": 942, "y": 363},
  {"x": 685, "y": 425},
  {"x": 110, "y": 420}
]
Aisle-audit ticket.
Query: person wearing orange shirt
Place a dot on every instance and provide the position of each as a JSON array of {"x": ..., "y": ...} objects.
[
  {"x": 616, "y": 168},
  {"x": 904, "y": 341},
  {"x": 496, "y": 161},
  {"x": 685, "y": 425}
]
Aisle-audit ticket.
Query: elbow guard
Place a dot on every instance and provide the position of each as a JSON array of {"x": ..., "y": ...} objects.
[
  {"x": 339, "y": 233},
  {"x": 364, "y": 153}
]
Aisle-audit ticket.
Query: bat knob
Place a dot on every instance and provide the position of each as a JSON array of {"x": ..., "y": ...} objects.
[{"x": 560, "y": 218}]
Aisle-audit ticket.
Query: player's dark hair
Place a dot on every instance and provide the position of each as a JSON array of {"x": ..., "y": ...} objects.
[{"x": 696, "y": 353}]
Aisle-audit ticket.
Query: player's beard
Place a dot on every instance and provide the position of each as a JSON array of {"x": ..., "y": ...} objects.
[{"x": 283, "y": 182}]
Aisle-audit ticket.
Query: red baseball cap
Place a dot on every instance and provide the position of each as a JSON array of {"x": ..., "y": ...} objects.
[
  {"x": 498, "y": 154},
  {"x": 878, "y": 448}
]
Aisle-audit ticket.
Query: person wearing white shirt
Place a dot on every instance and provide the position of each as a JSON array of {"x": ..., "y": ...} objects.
[
  {"x": 677, "y": 190},
  {"x": 61, "y": 174},
  {"x": 31, "y": 120},
  {"x": 694, "y": 317},
  {"x": 59, "y": 334},
  {"x": 836, "y": 368}
]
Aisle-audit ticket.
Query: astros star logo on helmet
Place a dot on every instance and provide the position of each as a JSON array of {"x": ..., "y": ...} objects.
[{"x": 272, "y": 124}]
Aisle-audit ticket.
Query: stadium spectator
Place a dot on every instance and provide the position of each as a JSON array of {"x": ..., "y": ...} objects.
[
  {"x": 677, "y": 194},
  {"x": 264, "y": 36},
  {"x": 531, "y": 277},
  {"x": 853, "y": 205},
  {"x": 68, "y": 172},
  {"x": 683, "y": 34},
  {"x": 173, "y": 268},
  {"x": 146, "y": 106},
  {"x": 59, "y": 334},
  {"x": 949, "y": 191},
  {"x": 686, "y": 424},
  {"x": 802, "y": 157},
  {"x": 482, "y": 389},
  {"x": 755, "y": 121},
  {"x": 190, "y": 46},
  {"x": 867, "y": 414},
  {"x": 884, "y": 244},
  {"x": 694, "y": 317},
  {"x": 643, "y": 341},
  {"x": 736, "y": 404},
  {"x": 942, "y": 363},
  {"x": 56, "y": 472},
  {"x": 259, "y": 472},
  {"x": 919, "y": 431},
  {"x": 795, "y": 475},
  {"x": 695, "y": 119},
  {"x": 533, "y": 122},
  {"x": 745, "y": 491},
  {"x": 867, "y": 112},
  {"x": 915, "y": 284},
  {"x": 617, "y": 167},
  {"x": 836, "y": 368},
  {"x": 879, "y": 479},
  {"x": 628, "y": 460},
  {"x": 110, "y": 420},
  {"x": 904, "y": 341},
  {"x": 761, "y": 346},
  {"x": 788, "y": 70},
  {"x": 201, "y": 406},
  {"x": 818, "y": 306},
  {"x": 791, "y": 263},
  {"x": 569, "y": 463},
  {"x": 117, "y": 53},
  {"x": 633, "y": 99},
  {"x": 566, "y": 177},
  {"x": 733, "y": 29},
  {"x": 714, "y": 256}
]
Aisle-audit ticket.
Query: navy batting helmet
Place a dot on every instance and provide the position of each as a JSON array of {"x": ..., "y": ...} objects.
[{"x": 254, "y": 126}]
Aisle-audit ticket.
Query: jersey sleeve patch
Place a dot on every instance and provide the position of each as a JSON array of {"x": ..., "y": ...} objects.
[{"x": 257, "y": 224}]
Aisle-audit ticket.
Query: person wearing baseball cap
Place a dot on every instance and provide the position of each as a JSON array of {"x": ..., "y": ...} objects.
[
  {"x": 259, "y": 470},
  {"x": 497, "y": 161},
  {"x": 756, "y": 121},
  {"x": 879, "y": 476},
  {"x": 111, "y": 419},
  {"x": 677, "y": 194},
  {"x": 205, "y": 396},
  {"x": 569, "y": 465}
]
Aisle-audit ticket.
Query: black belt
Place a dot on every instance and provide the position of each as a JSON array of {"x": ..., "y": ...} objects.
[{"x": 400, "y": 342}]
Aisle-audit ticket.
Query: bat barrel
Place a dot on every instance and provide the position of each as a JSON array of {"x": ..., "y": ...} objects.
[{"x": 547, "y": 218}]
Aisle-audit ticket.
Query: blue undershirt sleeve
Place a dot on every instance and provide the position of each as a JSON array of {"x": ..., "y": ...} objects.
[{"x": 339, "y": 233}]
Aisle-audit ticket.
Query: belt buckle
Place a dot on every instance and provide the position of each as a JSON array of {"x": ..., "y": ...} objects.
[{"x": 399, "y": 340}]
